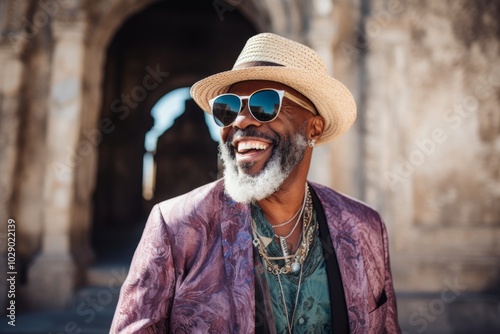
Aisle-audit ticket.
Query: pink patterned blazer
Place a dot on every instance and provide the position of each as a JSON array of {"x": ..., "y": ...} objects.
[{"x": 193, "y": 270}]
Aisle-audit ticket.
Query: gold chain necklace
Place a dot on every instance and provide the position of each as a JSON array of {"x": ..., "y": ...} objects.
[
  {"x": 301, "y": 209},
  {"x": 309, "y": 229},
  {"x": 291, "y": 219},
  {"x": 307, "y": 238}
]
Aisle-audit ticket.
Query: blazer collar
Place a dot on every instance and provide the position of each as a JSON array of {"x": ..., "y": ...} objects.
[{"x": 346, "y": 242}]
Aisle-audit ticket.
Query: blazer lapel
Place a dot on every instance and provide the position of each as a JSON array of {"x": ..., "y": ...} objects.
[
  {"x": 238, "y": 262},
  {"x": 345, "y": 240}
]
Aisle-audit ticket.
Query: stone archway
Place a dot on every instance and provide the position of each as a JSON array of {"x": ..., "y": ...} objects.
[{"x": 82, "y": 35}]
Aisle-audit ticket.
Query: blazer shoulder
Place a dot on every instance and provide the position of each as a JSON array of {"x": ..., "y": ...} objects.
[{"x": 197, "y": 205}]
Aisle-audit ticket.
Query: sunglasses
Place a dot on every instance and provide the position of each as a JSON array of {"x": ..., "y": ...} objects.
[{"x": 264, "y": 105}]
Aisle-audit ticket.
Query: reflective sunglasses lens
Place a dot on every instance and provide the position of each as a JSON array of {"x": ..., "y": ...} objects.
[
  {"x": 264, "y": 105},
  {"x": 225, "y": 109}
]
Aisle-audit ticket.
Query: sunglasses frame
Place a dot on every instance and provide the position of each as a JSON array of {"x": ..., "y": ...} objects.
[{"x": 281, "y": 94}]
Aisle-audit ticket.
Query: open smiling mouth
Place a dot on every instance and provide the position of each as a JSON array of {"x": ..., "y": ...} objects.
[
  {"x": 251, "y": 151},
  {"x": 244, "y": 147}
]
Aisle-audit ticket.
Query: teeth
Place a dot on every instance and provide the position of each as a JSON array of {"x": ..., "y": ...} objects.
[{"x": 251, "y": 145}]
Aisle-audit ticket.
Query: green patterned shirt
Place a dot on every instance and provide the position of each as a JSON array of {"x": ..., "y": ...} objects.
[{"x": 313, "y": 312}]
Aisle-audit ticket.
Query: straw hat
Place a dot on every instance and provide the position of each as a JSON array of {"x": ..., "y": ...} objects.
[{"x": 271, "y": 57}]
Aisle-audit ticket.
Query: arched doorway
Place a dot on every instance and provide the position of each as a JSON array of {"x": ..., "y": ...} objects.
[
  {"x": 166, "y": 46},
  {"x": 181, "y": 148}
]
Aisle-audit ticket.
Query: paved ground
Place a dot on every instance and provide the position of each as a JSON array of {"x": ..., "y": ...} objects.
[
  {"x": 92, "y": 311},
  {"x": 83, "y": 320},
  {"x": 469, "y": 313}
]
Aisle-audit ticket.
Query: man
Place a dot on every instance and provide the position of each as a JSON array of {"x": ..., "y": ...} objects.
[{"x": 262, "y": 250}]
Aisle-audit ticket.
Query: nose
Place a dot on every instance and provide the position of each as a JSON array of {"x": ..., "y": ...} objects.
[{"x": 245, "y": 119}]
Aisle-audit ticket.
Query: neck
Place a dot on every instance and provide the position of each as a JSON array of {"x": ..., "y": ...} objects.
[
  {"x": 285, "y": 202},
  {"x": 279, "y": 209},
  {"x": 282, "y": 205}
]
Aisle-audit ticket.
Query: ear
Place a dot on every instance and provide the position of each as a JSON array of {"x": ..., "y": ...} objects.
[{"x": 316, "y": 126}]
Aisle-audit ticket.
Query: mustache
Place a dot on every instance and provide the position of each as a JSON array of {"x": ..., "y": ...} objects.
[{"x": 252, "y": 132}]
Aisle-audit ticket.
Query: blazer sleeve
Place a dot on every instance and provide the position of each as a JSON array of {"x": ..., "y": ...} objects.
[
  {"x": 147, "y": 293},
  {"x": 391, "y": 321}
]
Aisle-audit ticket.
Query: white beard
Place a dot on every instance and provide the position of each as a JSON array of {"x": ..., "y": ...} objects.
[{"x": 245, "y": 188}]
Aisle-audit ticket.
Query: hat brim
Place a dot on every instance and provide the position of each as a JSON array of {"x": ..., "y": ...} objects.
[{"x": 331, "y": 98}]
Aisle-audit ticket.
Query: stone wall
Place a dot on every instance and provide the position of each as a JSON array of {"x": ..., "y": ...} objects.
[{"x": 425, "y": 149}]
